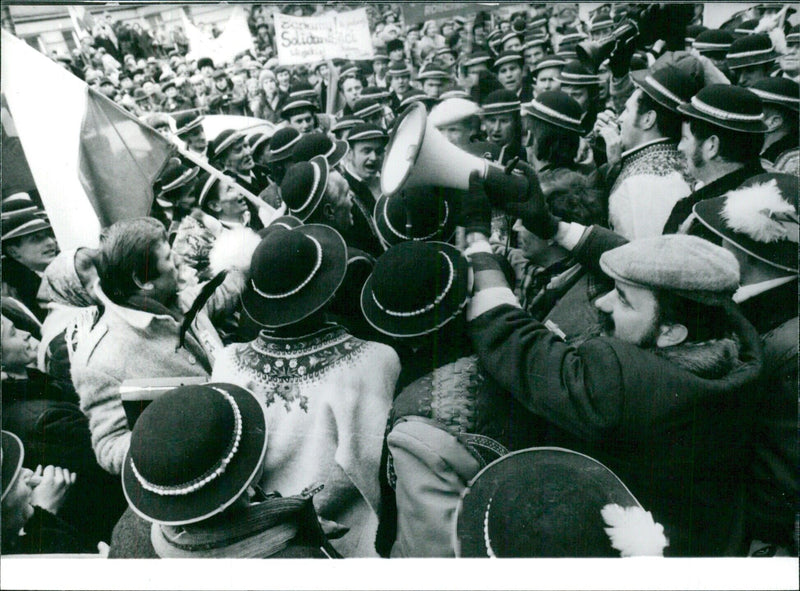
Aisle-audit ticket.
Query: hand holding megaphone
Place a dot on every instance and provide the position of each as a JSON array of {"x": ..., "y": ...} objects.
[{"x": 533, "y": 212}]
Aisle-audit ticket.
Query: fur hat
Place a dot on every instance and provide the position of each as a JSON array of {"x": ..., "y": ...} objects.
[
  {"x": 759, "y": 218},
  {"x": 550, "y": 502},
  {"x": 686, "y": 265}
]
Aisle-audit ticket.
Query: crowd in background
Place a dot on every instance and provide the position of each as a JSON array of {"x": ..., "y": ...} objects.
[{"x": 340, "y": 363}]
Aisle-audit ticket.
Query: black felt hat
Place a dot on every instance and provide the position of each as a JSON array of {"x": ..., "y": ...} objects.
[
  {"x": 750, "y": 51},
  {"x": 778, "y": 91},
  {"x": 759, "y": 218},
  {"x": 551, "y": 503},
  {"x": 713, "y": 43},
  {"x": 282, "y": 143},
  {"x": 294, "y": 273},
  {"x": 415, "y": 288},
  {"x": 193, "y": 452},
  {"x": 557, "y": 108},
  {"x": 421, "y": 214},
  {"x": 577, "y": 74},
  {"x": 727, "y": 106},
  {"x": 319, "y": 144},
  {"x": 668, "y": 86},
  {"x": 304, "y": 185}
]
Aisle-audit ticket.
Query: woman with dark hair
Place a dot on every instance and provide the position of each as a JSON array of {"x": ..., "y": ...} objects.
[{"x": 272, "y": 98}]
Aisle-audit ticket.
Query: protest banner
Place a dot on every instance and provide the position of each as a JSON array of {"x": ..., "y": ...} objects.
[{"x": 302, "y": 40}]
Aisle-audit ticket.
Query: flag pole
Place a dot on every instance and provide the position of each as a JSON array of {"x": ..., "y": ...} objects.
[{"x": 202, "y": 163}]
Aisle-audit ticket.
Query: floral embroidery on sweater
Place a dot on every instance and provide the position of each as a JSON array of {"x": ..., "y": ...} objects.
[
  {"x": 278, "y": 367},
  {"x": 659, "y": 159}
]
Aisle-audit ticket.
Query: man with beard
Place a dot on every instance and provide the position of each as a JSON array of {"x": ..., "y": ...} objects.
[
  {"x": 137, "y": 335},
  {"x": 721, "y": 138},
  {"x": 362, "y": 166},
  {"x": 663, "y": 398}
]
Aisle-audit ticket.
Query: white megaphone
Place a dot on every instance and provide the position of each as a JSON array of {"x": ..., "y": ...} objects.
[{"x": 418, "y": 154}]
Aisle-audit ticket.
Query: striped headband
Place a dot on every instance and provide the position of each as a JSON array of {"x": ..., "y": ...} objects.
[
  {"x": 663, "y": 90},
  {"x": 369, "y": 134},
  {"x": 23, "y": 229},
  {"x": 306, "y": 281},
  {"x": 534, "y": 104},
  {"x": 501, "y": 107},
  {"x": 580, "y": 77},
  {"x": 212, "y": 473},
  {"x": 724, "y": 115},
  {"x": 506, "y": 59}
]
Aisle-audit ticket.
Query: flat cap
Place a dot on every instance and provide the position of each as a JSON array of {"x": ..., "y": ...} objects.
[{"x": 688, "y": 266}]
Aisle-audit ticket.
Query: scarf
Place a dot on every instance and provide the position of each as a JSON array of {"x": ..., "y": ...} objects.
[
  {"x": 61, "y": 284},
  {"x": 261, "y": 530}
]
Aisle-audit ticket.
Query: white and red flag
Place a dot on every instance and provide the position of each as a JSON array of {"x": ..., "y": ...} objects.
[{"x": 93, "y": 162}]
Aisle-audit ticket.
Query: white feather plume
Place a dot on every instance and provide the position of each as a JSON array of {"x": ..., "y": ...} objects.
[
  {"x": 633, "y": 531},
  {"x": 233, "y": 249},
  {"x": 757, "y": 212}
]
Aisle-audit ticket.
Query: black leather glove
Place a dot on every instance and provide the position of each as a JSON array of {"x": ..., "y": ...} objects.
[
  {"x": 619, "y": 62},
  {"x": 476, "y": 211},
  {"x": 534, "y": 213}
]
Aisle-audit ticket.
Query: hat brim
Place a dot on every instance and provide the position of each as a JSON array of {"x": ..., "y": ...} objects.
[
  {"x": 639, "y": 79},
  {"x": 689, "y": 110},
  {"x": 221, "y": 492},
  {"x": 471, "y": 512},
  {"x": 341, "y": 148},
  {"x": 736, "y": 64},
  {"x": 531, "y": 111},
  {"x": 389, "y": 235},
  {"x": 782, "y": 255},
  {"x": 274, "y": 313},
  {"x": 13, "y": 454},
  {"x": 412, "y": 326},
  {"x": 34, "y": 225}
]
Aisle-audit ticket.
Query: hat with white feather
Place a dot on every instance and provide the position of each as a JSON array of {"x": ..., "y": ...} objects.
[
  {"x": 759, "y": 218},
  {"x": 549, "y": 502}
]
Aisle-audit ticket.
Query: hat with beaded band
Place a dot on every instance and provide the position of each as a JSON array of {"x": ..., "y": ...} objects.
[
  {"x": 713, "y": 43},
  {"x": 669, "y": 86},
  {"x": 726, "y": 106},
  {"x": 576, "y": 74},
  {"x": 507, "y": 57},
  {"x": 557, "y": 108},
  {"x": 421, "y": 214},
  {"x": 415, "y": 288},
  {"x": 282, "y": 143},
  {"x": 304, "y": 185},
  {"x": 499, "y": 102},
  {"x": 193, "y": 452},
  {"x": 476, "y": 58},
  {"x": 319, "y": 144},
  {"x": 365, "y": 132},
  {"x": 751, "y": 51},
  {"x": 546, "y": 62},
  {"x": 778, "y": 91},
  {"x": 549, "y": 502},
  {"x": 293, "y": 274}
]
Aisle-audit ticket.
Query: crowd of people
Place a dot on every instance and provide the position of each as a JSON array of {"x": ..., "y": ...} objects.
[{"x": 602, "y": 363}]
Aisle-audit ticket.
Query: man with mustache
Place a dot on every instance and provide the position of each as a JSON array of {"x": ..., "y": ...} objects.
[{"x": 656, "y": 398}]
